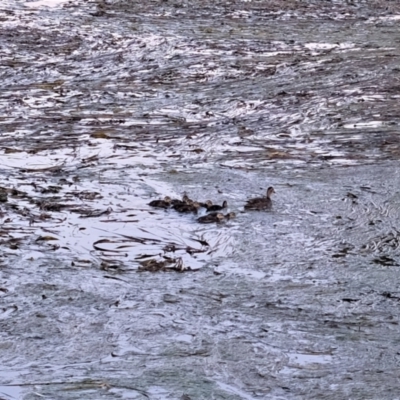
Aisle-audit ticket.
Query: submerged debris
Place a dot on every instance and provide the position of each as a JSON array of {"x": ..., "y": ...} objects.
[
  {"x": 167, "y": 264},
  {"x": 3, "y": 196}
]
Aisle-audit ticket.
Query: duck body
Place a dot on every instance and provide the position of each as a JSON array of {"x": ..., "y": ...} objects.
[
  {"x": 217, "y": 207},
  {"x": 230, "y": 215},
  {"x": 211, "y": 218},
  {"x": 186, "y": 207},
  {"x": 177, "y": 203},
  {"x": 206, "y": 204},
  {"x": 261, "y": 203},
  {"x": 180, "y": 203},
  {"x": 161, "y": 203}
]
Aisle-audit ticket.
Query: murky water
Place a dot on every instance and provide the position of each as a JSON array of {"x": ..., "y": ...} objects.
[{"x": 106, "y": 106}]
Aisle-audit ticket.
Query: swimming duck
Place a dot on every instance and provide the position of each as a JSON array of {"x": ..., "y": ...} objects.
[
  {"x": 230, "y": 215},
  {"x": 217, "y": 207},
  {"x": 210, "y": 218},
  {"x": 164, "y": 203},
  {"x": 206, "y": 204},
  {"x": 179, "y": 203},
  {"x": 260, "y": 203},
  {"x": 187, "y": 207}
]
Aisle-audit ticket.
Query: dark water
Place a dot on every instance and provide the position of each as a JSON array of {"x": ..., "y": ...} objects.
[{"x": 108, "y": 105}]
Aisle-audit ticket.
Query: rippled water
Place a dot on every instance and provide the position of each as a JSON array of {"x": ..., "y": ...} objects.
[{"x": 108, "y": 105}]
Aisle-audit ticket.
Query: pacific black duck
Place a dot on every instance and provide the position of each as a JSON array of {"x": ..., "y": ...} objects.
[
  {"x": 205, "y": 204},
  {"x": 261, "y": 203},
  {"x": 230, "y": 215},
  {"x": 180, "y": 203},
  {"x": 210, "y": 218},
  {"x": 187, "y": 207},
  {"x": 161, "y": 203},
  {"x": 217, "y": 207}
]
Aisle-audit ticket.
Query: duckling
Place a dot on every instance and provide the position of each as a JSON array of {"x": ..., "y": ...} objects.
[
  {"x": 230, "y": 215},
  {"x": 165, "y": 203},
  {"x": 261, "y": 203},
  {"x": 187, "y": 207},
  {"x": 177, "y": 202},
  {"x": 210, "y": 218},
  {"x": 185, "y": 200},
  {"x": 217, "y": 207},
  {"x": 205, "y": 204}
]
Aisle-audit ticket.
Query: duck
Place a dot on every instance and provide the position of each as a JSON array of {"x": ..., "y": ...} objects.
[
  {"x": 187, "y": 207},
  {"x": 210, "y": 218},
  {"x": 217, "y": 207},
  {"x": 206, "y": 203},
  {"x": 230, "y": 215},
  {"x": 185, "y": 200},
  {"x": 161, "y": 203},
  {"x": 261, "y": 203}
]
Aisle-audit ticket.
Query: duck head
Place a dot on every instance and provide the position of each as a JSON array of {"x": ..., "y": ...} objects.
[
  {"x": 219, "y": 217},
  {"x": 270, "y": 192}
]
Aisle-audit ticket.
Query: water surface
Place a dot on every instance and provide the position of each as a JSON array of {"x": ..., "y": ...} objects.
[{"x": 109, "y": 105}]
